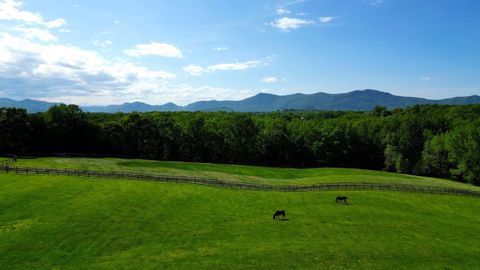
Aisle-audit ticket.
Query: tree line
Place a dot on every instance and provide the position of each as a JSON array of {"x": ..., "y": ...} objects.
[{"x": 433, "y": 140}]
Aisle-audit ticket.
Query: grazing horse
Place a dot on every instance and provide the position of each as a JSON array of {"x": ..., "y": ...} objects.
[
  {"x": 341, "y": 198},
  {"x": 279, "y": 213}
]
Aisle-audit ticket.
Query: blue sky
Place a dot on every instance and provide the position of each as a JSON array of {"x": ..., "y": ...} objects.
[{"x": 103, "y": 52}]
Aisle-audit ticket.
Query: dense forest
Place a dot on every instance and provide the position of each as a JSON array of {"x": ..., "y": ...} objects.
[{"x": 433, "y": 140}]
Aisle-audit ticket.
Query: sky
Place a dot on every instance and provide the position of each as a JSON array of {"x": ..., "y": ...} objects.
[{"x": 93, "y": 52}]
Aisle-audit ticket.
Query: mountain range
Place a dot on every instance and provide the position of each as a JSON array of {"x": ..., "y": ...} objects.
[{"x": 358, "y": 100}]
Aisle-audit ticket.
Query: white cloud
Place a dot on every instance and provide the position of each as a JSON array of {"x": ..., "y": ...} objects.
[
  {"x": 270, "y": 80},
  {"x": 223, "y": 48},
  {"x": 282, "y": 11},
  {"x": 10, "y": 10},
  {"x": 31, "y": 66},
  {"x": 425, "y": 78},
  {"x": 287, "y": 23},
  {"x": 326, "y": 19},
  {"x": 29, "y": 69},
  {"x": 156, "y": 49},
  {"x": 181, "y": 94},
  {"x": 199, "y": 70},
  {"x": 32, "y": 33},
  {"x": 55, "y": 23},
  {"x": 194, "y": 70},
  {"x": 236, "y": 66}
]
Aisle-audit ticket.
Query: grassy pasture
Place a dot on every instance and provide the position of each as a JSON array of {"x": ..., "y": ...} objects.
[
  {"x": 60, "y": 222},
  {"x": 253, "y": 174},
  {"x": 57, "y": 222}
]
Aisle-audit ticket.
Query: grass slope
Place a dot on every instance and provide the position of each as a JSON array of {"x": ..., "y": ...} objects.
[
  {"x": 56, "y": 222},
  {"x": 241, "y": 173}
]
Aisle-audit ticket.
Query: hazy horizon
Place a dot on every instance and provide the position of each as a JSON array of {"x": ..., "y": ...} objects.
[
  {"x": 156, "y": 104},
  {"x": 100, "y": 53}
]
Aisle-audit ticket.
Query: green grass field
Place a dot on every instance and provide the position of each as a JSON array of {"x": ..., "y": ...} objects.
[
  {"x": 265, "y": 175},
  {"x": 59, "y": 222}
]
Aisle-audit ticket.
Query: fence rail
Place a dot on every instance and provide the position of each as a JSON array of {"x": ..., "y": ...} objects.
[
  {"x": 6, "y": 160},
  {"x": 5, "y": 168}
]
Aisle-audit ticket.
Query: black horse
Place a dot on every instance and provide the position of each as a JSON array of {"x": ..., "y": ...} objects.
[
  {"x": 279, "y": 213},
  {"x": 341, "y": 198}
]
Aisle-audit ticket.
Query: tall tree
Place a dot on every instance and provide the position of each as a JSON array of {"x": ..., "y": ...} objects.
[{"x": 15, "y": 130}]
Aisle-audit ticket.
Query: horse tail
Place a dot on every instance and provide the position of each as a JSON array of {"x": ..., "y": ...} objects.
[{"x": 273, "y": 216}]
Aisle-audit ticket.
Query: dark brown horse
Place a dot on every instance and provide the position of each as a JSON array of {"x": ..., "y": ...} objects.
[
  {"x": 279, "y": 213},
  {"x": 341, "y": 198}
]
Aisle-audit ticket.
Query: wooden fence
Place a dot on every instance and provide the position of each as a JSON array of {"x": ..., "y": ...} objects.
[
  {"x": 240, "y": 185},
  {"x": 6, "y": 160}
]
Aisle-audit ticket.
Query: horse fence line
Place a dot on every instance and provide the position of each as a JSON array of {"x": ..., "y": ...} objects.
[
  {"x": 237, "y": 185},
  {"x": 9, "y": 159}
]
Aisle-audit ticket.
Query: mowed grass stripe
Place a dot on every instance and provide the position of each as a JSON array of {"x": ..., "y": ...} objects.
[
  {"x": 251, "y": 174},
  {"x": 78, "y": 223},
  {"x": 241, "y": 185}
]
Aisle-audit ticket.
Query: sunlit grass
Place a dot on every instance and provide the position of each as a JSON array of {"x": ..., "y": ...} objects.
[
  {"x": 59, "y": 222},
  {"x": 255, "y": 174}
]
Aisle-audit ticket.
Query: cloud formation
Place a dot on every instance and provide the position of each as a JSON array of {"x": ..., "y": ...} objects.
[
  {"x": 155, "y": 49},
  {"x": 56, "y": 23},
  {"x": 325, "y": 20},
  {"x": 270, "y": 79},
  {"x": 35, "y": 64},
  {"x": 35, "y": 33},
  {"x": 282, "y": 11},
  {"x": 10, "y": 10},
  {"x": 287, "y": 23},
  {"x": 49, "y": 70},
  {"x": 200, "y": 70},
  {"x": 222, "y": 48}
]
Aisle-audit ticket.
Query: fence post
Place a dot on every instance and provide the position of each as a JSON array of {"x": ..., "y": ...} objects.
[{"x": 241, "y": 185}]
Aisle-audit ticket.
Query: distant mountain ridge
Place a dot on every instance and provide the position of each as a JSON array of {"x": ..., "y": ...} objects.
[
  {"x": 358, "y": 100},
  {"x": 30, "y": 105}
]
